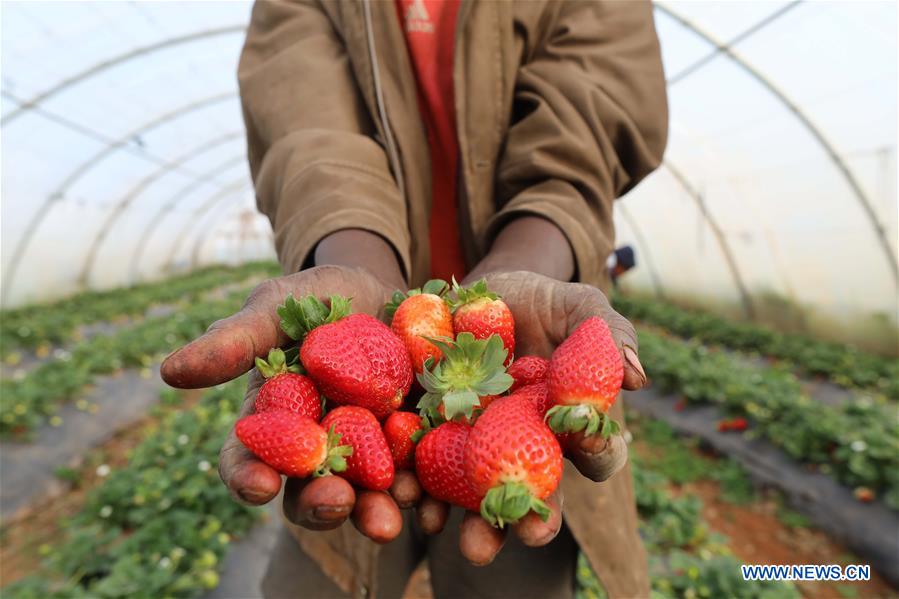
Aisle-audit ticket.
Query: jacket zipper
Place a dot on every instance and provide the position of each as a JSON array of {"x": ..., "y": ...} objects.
[{"x": 392, "y": 153}]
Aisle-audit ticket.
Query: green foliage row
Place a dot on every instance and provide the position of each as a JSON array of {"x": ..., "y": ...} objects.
[
  {"x": 158, "y": 527},
  {"x": 844, "y": 364},
  {"x": 32, "y": 400},
  {"x": 857, "y": 442},
  {"x": 685, "y": 559},
  {"x": 31, "y": 326}
]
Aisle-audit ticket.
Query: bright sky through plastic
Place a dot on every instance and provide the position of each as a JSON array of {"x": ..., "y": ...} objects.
[{"x": 793, "y": 225}]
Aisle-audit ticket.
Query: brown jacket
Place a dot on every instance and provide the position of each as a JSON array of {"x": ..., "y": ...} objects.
[{"x": 560, "y": 109}]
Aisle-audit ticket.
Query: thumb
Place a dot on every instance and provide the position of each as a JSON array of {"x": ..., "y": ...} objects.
[{"x": 230, "y": 346}]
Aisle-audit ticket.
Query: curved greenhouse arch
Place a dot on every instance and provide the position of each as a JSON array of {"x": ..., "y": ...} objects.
[
  {"x": 169, "y": 205},
  {"x": 86, "y": 166},
  {"x": 96, "y": 69},
  {"x": 807, "y": 123},
  {"x": 121, "y": 206}
]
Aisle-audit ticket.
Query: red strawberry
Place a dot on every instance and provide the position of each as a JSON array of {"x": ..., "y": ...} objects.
[
  {"x": 438, "y": 466},
  {"x": 419, "y": 314},
  {"x": 370, "y": 465},
  {"x": 584, "y": 378},
  {"x": 537, "y": 394},
  {"x": 513, "y": 460},
  {"x": 482, "y": 313},
  {"x": 354, "y": 359},
  {"x": 285, "y": 389},
  {"x": 471, "y": 369},
  {"x": 734, "y": 424},
  {"x": 402, "y": 430},
  {"x": 864, "y": 494},
  {"x": 527, "y": 370},
  {"x": 293, "y": 445}
]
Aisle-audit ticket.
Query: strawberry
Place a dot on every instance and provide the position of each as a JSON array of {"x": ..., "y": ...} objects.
[
  {"x": 354, "y": 359},
  {"x": 292, "y": 444},
  {"x": 419, "y": 314},
  {"x": 370, "y": 464},
  {"x": 584, "y": 378},
  {"x": 527, "y": 370},
  {"x": 538, "y": 395},
  {"x": 438, "y": 466},
  {"x": 471, "y": 369},
  {"x": 513, "y": 460},
  {"x": 482, "y": 313},
  {"x": 733, "y": 424},
  {"x": 864, "y": 494},
  {"x": 402, "y": 431},
  {"x": 285, "y": 389}
]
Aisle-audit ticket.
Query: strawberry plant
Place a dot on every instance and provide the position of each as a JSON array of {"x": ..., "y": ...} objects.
[
  {"x": 32, "y": 326},
  {"x": 843, "y": 364},
  {"x": 685, "y": 558},
  {"x": 856, "y": 442},
  {"x": 30, "y": 401},
  {"x": 158, "y": 527}
]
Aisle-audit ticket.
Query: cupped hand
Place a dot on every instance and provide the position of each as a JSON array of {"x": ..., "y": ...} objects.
[
  {"x": 228, "y": 350},
  {"x": 546, "y": 312}
]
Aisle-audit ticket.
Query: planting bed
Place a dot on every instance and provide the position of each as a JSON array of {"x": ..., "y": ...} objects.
[{"x": 144, "y": 511}]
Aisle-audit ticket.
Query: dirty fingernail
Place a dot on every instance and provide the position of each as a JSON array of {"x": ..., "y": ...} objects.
[
  {"x": 252, "y": 496},
  {"x": 630, "y": 356},
  {"x": 327, "y": 513}
]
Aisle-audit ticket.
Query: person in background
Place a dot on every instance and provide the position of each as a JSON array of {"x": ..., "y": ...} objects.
[
  {"x": 395, "y": 141},
  {"x": 622, "y": 260}
]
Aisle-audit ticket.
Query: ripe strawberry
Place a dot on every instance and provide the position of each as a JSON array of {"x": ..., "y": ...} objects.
[
  {"x": 419, "y": 314},
  {"x": 354, "y": 359},
  {"x": 285, "y": 389},
  {"x": 538, "y": 395},
  {"x": 292, "y": 444},
  {"x": 471, "y": 369},
  {"x": 402, "y": 431},
  {"x": 733, "y": 424},
  {"x": 584, "y": 378},
  {"x": 438, "y": 466},
  {"x": 482, "y": 313},
  {"x": 513, "y": 460},
  {"x": 527, "y": 370},
  {"x": 370, "y": 465},
  {"x": 864, "y": 494}
]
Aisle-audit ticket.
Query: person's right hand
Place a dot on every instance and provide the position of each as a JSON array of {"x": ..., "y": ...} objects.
[{"x": 228, "y": 350}]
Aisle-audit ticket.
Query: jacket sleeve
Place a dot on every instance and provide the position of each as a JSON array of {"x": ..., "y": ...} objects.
[
  {"x": 310, "y": 139},
  {"x": 590, "y": 120}
]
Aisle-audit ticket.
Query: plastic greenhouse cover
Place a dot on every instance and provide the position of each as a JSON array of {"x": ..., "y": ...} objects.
[{"x": 779, "y": 171}]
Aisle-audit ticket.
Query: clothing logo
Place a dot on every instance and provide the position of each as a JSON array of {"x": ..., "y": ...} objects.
[{"x": 418, "y": 19}]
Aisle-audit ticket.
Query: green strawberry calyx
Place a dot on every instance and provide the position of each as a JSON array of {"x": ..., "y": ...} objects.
[
  {"x": 471, "y": 294},
  {"x": 335, "y": 461},
  {"x": 508, "y": 503},
  {"x": 470, "y": 369},
  {"x": 582, "y": 417},
  {"x": 437, "y": 287},
  {"x": 425, "y": 429},
  {"x": 278, "y": 363},
  {"x": 299, "y": 317}
]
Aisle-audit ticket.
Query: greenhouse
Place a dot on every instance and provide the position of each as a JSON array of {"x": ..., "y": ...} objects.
[{"x": 757, "y": 263}]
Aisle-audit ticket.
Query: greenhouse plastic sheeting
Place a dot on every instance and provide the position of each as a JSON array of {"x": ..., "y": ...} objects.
[{"x": 125, "y": 159}]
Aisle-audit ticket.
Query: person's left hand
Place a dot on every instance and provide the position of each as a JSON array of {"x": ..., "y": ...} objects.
[{"x": 546, "y": 312}]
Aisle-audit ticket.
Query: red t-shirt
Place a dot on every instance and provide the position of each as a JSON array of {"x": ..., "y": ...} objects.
[{"x": 430, "y": 30}]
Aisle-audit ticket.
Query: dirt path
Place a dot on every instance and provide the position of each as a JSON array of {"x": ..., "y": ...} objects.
[
  {"x": 35, "y": 530},
  {"x": 756, "y": 535}
]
